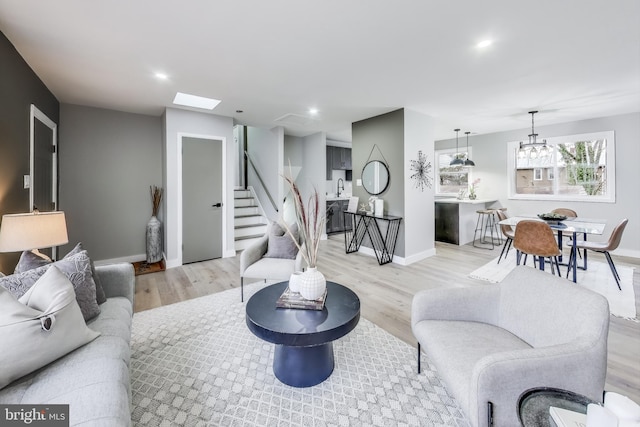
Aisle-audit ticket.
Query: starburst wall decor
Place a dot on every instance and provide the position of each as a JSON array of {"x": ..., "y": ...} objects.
[{"x": 422, "y": 175}]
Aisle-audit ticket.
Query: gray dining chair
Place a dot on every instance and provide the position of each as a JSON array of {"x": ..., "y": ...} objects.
[
  {"x": 507, "y": 232},
  {"x": 604, "y": 248}
]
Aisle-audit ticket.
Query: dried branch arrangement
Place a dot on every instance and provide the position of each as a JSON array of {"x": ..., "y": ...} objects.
[
  {"x": 310, "y": 222},
  {"x": 156, "y": 198}
]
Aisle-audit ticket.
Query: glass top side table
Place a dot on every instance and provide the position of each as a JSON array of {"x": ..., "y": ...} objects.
[{"x": 534, "y": 404}]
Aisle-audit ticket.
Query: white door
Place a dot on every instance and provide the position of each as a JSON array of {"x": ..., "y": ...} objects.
[
  {"x": 43, "y": 193},
  {"x": 201, "y": 199}
]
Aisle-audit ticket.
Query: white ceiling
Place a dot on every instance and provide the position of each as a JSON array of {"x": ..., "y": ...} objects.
[{"x": 350, "y": 59}]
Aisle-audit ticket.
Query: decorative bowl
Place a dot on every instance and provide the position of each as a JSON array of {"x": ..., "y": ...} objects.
[{"x": 552, "y": 217}]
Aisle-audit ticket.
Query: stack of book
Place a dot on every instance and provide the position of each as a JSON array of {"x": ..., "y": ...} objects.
[{"x": 290, "y": 299}]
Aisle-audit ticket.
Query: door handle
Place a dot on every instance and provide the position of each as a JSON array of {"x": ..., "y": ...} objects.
[{"x": 217, "y": 205}]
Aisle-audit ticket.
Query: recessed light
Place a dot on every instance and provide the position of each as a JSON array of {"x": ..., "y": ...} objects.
[
  {"x": 313, "y": 111},
  {"x": 161, "y": 76},
  {"x": 195, "y": 101},
  {"x": 484, "y": 43}
]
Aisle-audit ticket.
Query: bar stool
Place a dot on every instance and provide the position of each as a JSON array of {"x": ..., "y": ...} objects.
[{"x": 486, "y": 222}]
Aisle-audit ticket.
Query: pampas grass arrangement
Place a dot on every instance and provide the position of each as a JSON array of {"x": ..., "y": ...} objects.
[
  {"x": 156, "y": 198},
  {"x": 310, "y": 222}
]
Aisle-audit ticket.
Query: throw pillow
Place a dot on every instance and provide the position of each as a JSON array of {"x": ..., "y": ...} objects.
[
  {"x": 100, "y": 295},
  {"x": 76, "y": 267},
  {"x": 40, "y": 327},
  {"x": 280, "y": 244},
  {"x": 29, "y": 261}
]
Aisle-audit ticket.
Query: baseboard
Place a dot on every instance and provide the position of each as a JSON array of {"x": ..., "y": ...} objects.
[
  {"x": 131, "y": 258},
  {"x": 401, "y": 260},
  {"x": 416, "y": 257},
  {"x": 627, "y": 252}
]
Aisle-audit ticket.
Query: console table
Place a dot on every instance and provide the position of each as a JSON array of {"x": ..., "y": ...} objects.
[{"x": 366, "y": 224}]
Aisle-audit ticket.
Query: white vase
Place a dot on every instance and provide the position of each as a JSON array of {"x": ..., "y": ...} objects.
[
  {"x": 294, "y": 281},
  {"x": 312, "y": 284}
]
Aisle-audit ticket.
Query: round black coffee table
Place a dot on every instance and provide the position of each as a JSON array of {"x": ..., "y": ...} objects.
[{"x": 304, "y": 338}]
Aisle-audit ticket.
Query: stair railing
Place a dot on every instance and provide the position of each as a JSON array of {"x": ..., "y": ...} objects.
[{"x": 250, "y": 162}]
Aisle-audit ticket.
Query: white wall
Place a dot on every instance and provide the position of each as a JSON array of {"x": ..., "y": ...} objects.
[
  {"x": 490, "y": 157},
  {"x": 266, "y": 150},
  {"x": 308, "y": 153},
  {"x": 419, "y": 216},
  {"x": 314, "y": 166},
  {"x": 189, "y": 123}
]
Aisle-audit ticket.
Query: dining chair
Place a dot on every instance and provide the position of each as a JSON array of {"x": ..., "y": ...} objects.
[
  {"x": 569, "y": 213},
  {"x": 507, "y": 232},
  {"x": 605, "y": 248},
  {"x": 536, "y": 238}
]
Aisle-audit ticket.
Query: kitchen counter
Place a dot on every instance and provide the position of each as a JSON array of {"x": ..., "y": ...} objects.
[
  {"x": 456, "y": 219},
  {"x": 466, "y": 201},
  {"x": 333, "y": 199}
]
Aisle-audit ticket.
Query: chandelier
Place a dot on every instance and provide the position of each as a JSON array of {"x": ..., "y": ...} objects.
[{"x": 534, "y": 153}]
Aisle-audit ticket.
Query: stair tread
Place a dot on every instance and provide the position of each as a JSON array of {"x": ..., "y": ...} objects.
[
  {"x": 247, "y": 216},
  {"x": 253, "y": 236},
  {"x": 257, "y": 224}
]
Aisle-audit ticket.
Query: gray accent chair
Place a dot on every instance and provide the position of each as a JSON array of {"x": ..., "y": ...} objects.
[
  {"x": 490, "y": 343},
  {"x": 253, "y": 264}
]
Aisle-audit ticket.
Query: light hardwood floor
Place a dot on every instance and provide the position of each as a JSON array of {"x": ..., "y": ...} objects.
[{"x": 386, "y": 293}]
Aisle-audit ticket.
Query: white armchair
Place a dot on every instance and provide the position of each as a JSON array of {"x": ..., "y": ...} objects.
[
  {"x": 490, "y": 343},
  {"x": 254, "y": 264}
]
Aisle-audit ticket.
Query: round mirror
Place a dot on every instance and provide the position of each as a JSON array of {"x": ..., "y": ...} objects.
[{"x": 375, "y": 177}]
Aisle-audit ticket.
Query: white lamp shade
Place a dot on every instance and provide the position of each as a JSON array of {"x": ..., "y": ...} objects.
[{"x": 26, "y": 231}]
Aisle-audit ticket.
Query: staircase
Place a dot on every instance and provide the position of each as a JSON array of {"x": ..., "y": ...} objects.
[{"x": 249, "y": 223}]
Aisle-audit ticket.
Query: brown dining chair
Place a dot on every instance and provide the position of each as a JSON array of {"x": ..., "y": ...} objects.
[
  {"x": 507, "y": 232},
  {"x": 569, "y": 213},
  {"x": 605, "y": 248},
  {"x": 536, "y": 238}
]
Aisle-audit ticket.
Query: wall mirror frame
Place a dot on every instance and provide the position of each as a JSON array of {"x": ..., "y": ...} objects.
[{"x": 375, "y": 177}]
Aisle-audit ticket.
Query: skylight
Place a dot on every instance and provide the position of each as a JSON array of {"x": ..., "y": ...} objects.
[{"x": 195, "y": 101}]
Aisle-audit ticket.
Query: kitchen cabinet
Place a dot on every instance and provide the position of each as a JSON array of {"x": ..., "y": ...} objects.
[
  {"x": 338, "y": 158},
  {"x": 335, "y": 216},
  {"x": 341, "y": 158}
]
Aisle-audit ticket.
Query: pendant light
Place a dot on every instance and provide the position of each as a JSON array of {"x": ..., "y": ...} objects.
[
  {"x": 457, "y": 161},
  {"x": 468, "y": 162}
]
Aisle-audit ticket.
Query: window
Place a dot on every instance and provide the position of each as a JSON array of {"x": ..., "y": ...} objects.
[
  {"x": 451, "y": 179},
  {"x": 578, "y": 167}
]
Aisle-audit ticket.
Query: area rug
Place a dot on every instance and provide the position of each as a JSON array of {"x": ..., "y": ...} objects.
[
  {"x": 195, "y": 363},
  {"x": 598, "y": 278}
]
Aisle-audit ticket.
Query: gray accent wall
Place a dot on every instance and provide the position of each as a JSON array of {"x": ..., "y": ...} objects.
[
  {"x": 490, "y": 157},
  {"x": 387, "y": 132},
  {"x": 19, "y": 88},
  {"x": 108, "y": 161}
]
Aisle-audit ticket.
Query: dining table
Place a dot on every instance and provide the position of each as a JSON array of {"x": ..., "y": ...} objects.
[{"x": 574, "y": 226}]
